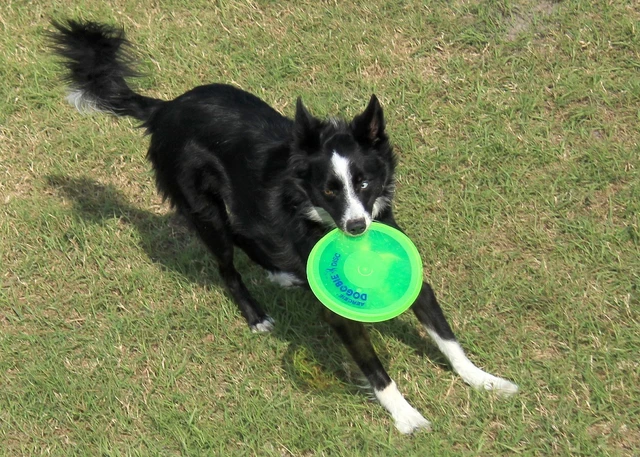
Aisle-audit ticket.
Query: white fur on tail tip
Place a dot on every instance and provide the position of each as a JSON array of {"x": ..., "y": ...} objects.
[
  {"x": 407, "y": 418},
  {"x": 471, "y": 374},
  {"x": 82, "y": 101}
]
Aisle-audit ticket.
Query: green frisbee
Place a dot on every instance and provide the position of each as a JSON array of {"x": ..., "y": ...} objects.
[{"x": 369, "y": 278}]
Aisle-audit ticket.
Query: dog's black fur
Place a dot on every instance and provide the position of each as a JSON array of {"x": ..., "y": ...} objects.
[{"x": 244, "y": 175}]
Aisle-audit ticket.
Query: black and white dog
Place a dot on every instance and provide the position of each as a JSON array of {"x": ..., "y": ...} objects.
[{"x": 243, "y": 175}]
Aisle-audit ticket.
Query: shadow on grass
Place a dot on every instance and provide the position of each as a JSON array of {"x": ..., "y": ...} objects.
[{"x": 165, "y": 239}]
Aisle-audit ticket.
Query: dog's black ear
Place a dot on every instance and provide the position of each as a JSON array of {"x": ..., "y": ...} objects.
[
  {"x": 369, "y": 126},
  {"x": 307, "y": 134}
]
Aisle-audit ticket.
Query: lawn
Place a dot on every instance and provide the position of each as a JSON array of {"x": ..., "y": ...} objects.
[{"x": 517, "y": 128}]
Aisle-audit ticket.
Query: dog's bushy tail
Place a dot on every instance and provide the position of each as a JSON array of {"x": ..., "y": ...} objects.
[{"x": 98, "y": 58}]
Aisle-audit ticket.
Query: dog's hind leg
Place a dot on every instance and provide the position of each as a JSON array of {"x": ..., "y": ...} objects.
[
  {"x": 213, "y": 229},
  {"x": 356, "y": 339},
  {"x": 430, "y": 315}
]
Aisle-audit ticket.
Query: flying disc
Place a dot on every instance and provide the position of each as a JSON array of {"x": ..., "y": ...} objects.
[{"x": 369, "y": 278}]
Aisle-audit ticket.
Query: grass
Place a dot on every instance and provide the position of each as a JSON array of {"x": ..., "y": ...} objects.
[{"x": 516, "y": 123}]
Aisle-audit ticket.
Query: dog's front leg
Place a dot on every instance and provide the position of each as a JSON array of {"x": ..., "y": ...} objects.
[
  {"x": 430, "y": 315},
  {"x": 356, "y": 339}
]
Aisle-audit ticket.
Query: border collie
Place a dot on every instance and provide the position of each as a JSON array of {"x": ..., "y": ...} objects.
[{"x": 244, "y": 175}]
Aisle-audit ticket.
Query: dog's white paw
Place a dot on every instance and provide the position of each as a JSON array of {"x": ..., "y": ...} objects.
[
  {"x": 481, "y": 380},
  {"x": 410, "y": 421},
  {"x": 284, "y": 279},
  {"x": 407, "y": 418},
  {"x": 498, "y": 385},
  {"x": 266, "y": 325}
]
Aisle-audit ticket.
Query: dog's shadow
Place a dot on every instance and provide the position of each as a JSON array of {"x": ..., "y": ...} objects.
[{"x": 314, "y": 358}]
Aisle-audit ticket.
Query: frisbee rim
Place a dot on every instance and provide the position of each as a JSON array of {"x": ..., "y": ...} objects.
[{"x": 385, "y": 313}]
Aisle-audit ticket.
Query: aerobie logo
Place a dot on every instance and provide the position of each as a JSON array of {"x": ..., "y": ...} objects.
[{"x": 346, "y": 294}]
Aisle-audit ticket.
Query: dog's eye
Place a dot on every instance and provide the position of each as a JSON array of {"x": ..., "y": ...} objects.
[
  {"x": 364, "y": 184},
  {"x": 330, "y": 193}
]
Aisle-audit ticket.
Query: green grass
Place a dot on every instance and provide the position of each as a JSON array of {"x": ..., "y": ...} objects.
[{"x": 516, "y": 123}]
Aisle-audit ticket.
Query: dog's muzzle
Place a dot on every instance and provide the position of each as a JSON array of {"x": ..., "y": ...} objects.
[{"x": 356, "y": 227}]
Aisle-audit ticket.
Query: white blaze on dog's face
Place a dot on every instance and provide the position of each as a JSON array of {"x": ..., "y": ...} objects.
[
  {"x": 346, "y": 169},
  {"x": 355, "y": 218}
]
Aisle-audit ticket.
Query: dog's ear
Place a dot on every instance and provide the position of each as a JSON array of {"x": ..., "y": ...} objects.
[
  {"x": 369, "y": 126},
  {"x": 307, "y": 134}
]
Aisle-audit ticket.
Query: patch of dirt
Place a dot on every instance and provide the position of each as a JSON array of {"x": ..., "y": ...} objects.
[
  {"x": 525, "y": 17},
  {"x": 621, "y": 436}
]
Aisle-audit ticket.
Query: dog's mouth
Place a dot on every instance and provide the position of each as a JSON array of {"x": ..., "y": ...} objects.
[{"x": 351, "y": 227}]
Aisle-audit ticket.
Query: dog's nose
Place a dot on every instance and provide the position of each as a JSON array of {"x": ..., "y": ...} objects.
[{"x": 356, "y": 226}]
